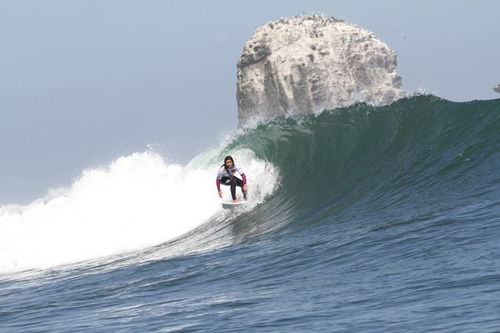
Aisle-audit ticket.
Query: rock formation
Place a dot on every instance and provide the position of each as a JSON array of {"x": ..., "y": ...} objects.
[{"x": 307, "y": 64}]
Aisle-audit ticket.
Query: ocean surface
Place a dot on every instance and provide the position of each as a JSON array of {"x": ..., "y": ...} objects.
[{"x": 361, "y": 219}]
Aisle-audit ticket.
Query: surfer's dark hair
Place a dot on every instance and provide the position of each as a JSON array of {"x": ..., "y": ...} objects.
[{"x": 228, "y": 158}]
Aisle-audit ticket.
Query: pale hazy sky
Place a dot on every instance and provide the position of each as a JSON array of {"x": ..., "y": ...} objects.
[{"x": 85, "y": 81}]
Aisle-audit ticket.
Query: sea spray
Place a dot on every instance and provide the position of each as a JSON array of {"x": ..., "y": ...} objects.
[{"x": 138, "y": 201}]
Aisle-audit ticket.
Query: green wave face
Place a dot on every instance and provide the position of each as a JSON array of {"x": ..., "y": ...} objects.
[{"x": 402, "y": 158}]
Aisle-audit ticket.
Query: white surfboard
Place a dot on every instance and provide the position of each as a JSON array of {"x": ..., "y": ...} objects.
[{"x": 230, "y": 205}]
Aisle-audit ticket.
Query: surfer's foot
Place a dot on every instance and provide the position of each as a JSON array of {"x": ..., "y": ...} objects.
[{"x": 236, "y": 200}]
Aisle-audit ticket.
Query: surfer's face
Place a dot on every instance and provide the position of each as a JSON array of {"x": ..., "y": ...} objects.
[{"x": 229, "y": 163}]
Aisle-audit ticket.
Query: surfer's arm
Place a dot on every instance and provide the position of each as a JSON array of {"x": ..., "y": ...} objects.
[
  {"x": 217, "y": 182},
  {"x": 244, "y": 178}
]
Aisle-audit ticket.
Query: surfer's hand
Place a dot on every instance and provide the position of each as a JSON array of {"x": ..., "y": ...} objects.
[
  {"x": 245, "y": 187},
  {"x": 220, "y": 194}
]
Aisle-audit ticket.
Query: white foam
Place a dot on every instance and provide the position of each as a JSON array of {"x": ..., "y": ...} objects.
[{"x": 136, "y": 202}]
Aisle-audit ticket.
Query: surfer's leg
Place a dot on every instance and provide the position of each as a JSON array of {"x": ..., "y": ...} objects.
[
  {"x": 229, "y": 182},
  {"x": 225, "y": 181},
  {"x": 233, "y": 182},
  {"x": 233, "y": 190},
  {"x": 239, "y": 183},
  {"x": 236, "y": 182}
]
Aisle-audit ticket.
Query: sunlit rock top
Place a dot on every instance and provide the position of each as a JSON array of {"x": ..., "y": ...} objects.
[{"x": 306, "y": 64}]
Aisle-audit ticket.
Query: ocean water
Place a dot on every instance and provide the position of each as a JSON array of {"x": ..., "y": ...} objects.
[{"x": 362, "y": 219}]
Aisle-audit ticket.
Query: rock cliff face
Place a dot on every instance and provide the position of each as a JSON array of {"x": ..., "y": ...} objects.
[{"x": 303, "y": 65}]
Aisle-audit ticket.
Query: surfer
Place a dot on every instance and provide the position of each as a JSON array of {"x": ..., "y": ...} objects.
[{"x": 225, "y": 176}]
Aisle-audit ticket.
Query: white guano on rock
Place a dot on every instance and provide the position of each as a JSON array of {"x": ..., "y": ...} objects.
[{"x": 307, "y": 64}]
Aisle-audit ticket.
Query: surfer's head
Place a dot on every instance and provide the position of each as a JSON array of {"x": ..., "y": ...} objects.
[{"x": 228, "y": 158}]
